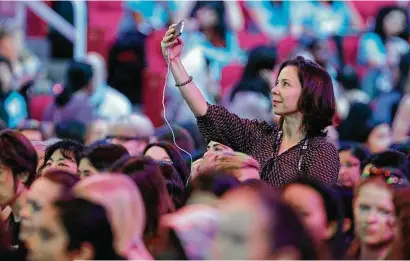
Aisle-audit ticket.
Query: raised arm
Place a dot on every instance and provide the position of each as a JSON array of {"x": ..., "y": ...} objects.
[
  {"x": 191, "y": 93},
  {"x": 214, "y": 122}
]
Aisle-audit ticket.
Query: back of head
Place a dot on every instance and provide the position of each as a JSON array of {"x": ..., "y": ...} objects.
[
  {"x": 17, "y": 153},
  {"x": 391, "y": 159},
  {"x": 286, "y": 229},
  {"x": 103, "y": 156},
  {"x": 173, "y": 181},
  {"x": 182, "y": 137},
  {"x": 235, "y": 163},
  {"x": 213, "y": 182},
  {"x": 146, "y": 173},
  {"x": 134, "y": 125},
  {"x": 260, "y": 58},
  {"x": 78, "y": 76},
  {"x": 87, "y": 222},
  {"x": 71, "y": 129},
  {"x": 66, "y": 180},
  {"x": 123, "y": 202},
  {"x": 334, "y": 211}
]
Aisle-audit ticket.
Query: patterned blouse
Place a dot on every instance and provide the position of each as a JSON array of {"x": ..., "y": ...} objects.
[{"x": 261, "y": 141}]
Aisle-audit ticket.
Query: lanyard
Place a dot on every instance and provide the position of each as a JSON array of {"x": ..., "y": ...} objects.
[{"x": 302, "y": 150}]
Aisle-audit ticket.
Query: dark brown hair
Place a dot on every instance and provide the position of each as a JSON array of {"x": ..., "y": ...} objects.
[
  {"x": 147, "y": 175},
  {"x": 103, "y": 156},
  {"x": 69, "y": 149},
  {"x": 17, "y": 153},
  {"x": 317, "y": 100}
]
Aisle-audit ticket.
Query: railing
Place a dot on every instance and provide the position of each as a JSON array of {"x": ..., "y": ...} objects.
[{"x": 76, "y": 33}]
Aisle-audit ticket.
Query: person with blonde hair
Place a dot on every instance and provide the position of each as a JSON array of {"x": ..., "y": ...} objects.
[
  {"x": 123, "y": 202},
  {"x": 239, "y": 165}
]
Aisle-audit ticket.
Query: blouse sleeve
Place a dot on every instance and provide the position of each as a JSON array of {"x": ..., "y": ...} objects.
[
  {"x": 219, "y": 125},
  {"x": 323, "y": 163}
]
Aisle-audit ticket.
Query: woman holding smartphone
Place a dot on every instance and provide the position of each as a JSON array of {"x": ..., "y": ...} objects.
[{"x": 303, "y": 97}]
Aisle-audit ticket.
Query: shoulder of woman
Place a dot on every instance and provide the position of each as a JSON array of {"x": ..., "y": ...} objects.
[{"x": 321, "y": 144}]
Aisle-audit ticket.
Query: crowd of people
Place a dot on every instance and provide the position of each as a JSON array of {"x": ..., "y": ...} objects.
[{"x": 302, "y": 159}]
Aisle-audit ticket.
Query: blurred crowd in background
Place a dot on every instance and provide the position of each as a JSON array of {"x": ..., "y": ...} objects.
[{"x": 65, "y": 121}]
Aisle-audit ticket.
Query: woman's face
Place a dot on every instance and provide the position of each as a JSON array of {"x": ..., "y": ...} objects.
[
  {"x": 380, "y": 138},
  {"x": 42, "y": 193},
  {"x": 58, "y": 161},
  {"x": 310, "y": 207},
  {"x": 286, "y": 93},
  {"x": 7, "y": 190},
  {"x": 349, "y": 173},
  {"x": 374, "y": 215},
  {"x": 394, "y": 23},
  {"x": 49, "y": 241},
  {"x": 243, "y": 228},
  {"x": 158, "y": 153},
  {"x": 86, "y": 168}
]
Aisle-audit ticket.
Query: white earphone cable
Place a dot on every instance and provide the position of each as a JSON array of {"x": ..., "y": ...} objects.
[{"x": 169, "y": 125}]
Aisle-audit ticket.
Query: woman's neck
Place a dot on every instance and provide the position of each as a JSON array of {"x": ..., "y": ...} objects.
[
  {"x": 292, "y": 128},
  {"x": 374, "y": 253}
]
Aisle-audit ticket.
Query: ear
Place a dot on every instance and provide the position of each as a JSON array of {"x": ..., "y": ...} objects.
[
  {"x": 85, "y": 252},
  {"x": 331, "y": 230},
  {"x": 347, "y": 224},
  {"x": 287, "y": 253}
]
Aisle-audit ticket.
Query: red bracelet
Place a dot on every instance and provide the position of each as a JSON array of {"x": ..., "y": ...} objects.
[{"x": 184, "y": 83}]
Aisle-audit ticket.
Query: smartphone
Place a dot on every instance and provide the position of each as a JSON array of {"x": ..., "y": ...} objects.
[{"x": 179, "y": 29}]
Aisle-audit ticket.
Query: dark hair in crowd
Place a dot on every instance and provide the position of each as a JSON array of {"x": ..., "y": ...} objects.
[
  {"x": 286, "y": 229},
  {"x": 391, "y": 159},
  {"x": 65, "y": 179},
  {"x": 176, "y": 157},
  {"x": 260, "y": 58},
  {"x": 334, "y": 212},
  {"x": 17, "y": 153},
  {"x": 183, "y": 137},
  {"x": 214, "y": 182},
  {"x": 358, "y": 151},
  {"x": 86, "y": 222},
  {"x": 317, "y": 101},
  {"x": 70, "y": 149},
  {"x": 103, "y": 156},
  {"x": 379, "y": 24},
  {"x": 78, "y": 76},
  {"x": 147, "y": 176},
  {"x": 173, "y": 181},
  {"x": 71, "y": 130}
]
